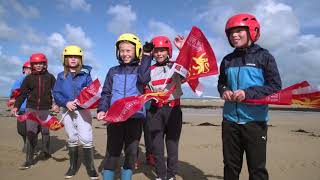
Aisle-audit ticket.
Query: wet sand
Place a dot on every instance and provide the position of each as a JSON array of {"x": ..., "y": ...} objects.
[{"x": 292, "y": 151}]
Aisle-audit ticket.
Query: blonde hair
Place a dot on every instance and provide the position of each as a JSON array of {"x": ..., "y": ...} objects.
[{"x": 66, "y": 67}]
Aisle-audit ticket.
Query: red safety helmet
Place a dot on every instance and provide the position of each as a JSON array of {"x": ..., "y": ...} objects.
[
  {"x": 244, "y": 20},
  {"x": 26, "y": 64},
  {"x": 38, "y": 58},
  {"x": 162, "y": 42}
]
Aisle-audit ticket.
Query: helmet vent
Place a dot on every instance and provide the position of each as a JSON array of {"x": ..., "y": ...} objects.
[{"x": 245, "y": 19}]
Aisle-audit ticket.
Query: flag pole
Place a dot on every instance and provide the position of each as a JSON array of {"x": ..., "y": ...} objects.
[{"x": 63, "y": 116}]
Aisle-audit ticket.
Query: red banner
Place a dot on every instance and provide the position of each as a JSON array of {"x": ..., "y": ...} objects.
[
  {"x": 308, "y": 96},
  {"x": 196, "y": 58},
  {"x": 90, "y": 95},
  {"x": 14, "y": 94},
  {"x": 298, "y": 94},
  {"x": 124, "y": 108},
  {"x": 51, "y": 122}
]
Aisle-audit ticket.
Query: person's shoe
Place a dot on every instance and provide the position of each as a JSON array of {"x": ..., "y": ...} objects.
[
  {"x": 151, "y": 160},
  {"x": 26, "y": 165},
  {"x": 137, "y": 164},
  {"x": 44, "y": 156},
  {"x": 93, "y": 174}
]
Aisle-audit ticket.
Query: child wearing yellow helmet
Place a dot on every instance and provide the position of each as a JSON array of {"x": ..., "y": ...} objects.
[
  {"x": 126, "y": 79},
  {"x": 77, "y": 121}
]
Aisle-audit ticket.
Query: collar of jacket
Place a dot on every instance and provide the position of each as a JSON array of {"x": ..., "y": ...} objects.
[{"x": 251, "y": 49}]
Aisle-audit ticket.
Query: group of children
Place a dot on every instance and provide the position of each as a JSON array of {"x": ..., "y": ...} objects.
[{"x": 248, "y": 72}]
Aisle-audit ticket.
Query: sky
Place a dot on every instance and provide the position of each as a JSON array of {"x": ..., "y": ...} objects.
[{"x": 290, "y": 30}]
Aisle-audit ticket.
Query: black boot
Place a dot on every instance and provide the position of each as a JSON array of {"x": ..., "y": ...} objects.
[
  {"x": 30, "y": 144},
  {"x": 45, "y": 153},
  {"x": 73, "y": 154},
  {"x": 89, "y": 163}
]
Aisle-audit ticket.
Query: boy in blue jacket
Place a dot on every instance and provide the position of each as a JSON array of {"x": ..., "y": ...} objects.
[
  {"x": 127, "y": 79},
  {"x": 21, "y": 126},
  {"x": 78, "y": 121},
  {"x": 249, "y": 72}
]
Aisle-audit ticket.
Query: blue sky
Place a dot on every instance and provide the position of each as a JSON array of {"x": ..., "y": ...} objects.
[{"x": 289, "y": 30}]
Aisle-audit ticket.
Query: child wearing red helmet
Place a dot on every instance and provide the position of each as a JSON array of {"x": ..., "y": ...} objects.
[
  {"x": 21, "y": 126},
  {"x": 37, "y": 87},
  {"x": 249, "y": 72},
  {"x": 165, "y": 119}
]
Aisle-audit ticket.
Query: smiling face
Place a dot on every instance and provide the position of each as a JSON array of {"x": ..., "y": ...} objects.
[
  {"x": 239, "y": 37},
  {"x": 73, "y": 61},
  {"x": 127, "y": 52},
  {"x": 39, "y": 66},
  {"x": 160, "y": 54}
]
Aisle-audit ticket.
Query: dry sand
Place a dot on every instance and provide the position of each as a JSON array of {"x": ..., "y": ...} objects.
[{"x": 291, "y": 155}]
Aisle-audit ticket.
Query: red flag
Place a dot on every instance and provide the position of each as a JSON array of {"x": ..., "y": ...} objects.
[
  {"x": 196, "y": 86},
  {"x": 308, "y": 96},
  {"x": 124, "y": 108},
  {"x": 51, "y": 122},
  {"x": 196, "y": 58},
  {"x": 299, "y": 94},
  {"x": 14, "y": 94},
  {"x": 90, "y": 95}
]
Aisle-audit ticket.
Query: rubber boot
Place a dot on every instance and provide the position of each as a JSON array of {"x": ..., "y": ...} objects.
[
  {"x": 89, "y": 163},
  {"x": 73, "y": 155},
  {"x": 126, "y": 174},
  {"x": 30, "y": 143},
  {"x": 45, "y": 152},
  {"x": 108, "y": 175}
]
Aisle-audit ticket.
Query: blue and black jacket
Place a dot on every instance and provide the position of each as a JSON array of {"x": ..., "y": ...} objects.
[
  {"x": 253, "y": 70},
  {"x": 68, "y": 88},
  {"x": 16, "y": 85},
  {"x": 125, "y": 80}
]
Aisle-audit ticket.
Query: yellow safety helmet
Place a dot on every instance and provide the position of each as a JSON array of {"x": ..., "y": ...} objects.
[
  {"x": 72, "y": 50},
  {"x": 132, "y": 39}
]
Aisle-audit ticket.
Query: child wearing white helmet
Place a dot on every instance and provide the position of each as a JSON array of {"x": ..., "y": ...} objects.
[{"x": 77, "y": 121}]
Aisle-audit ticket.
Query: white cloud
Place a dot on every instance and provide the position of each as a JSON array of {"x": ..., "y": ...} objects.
[
  {"x": 161, "y": 28},
  {"x": 6, "y": 32},
  {"x": 26, "y": 11},
  {"x": 77, "y": 36},
  {"x": 278, "y": 23},
  {"x": 122, "y": 19},
  {"x": 56, "y": 40},
  {"x": 297, "y": 54},
  {"x": 76, "y": 5},
  {"x": 8, "y": 63}
]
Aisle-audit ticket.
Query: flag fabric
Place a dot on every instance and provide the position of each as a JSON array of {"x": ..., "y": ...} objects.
[
  {"x": 90, "y": 95},
  {"x": 196, "y": 86},
  {"x": 51, "y": 122},
  {"x": 298, "y": 94},
  {"x": 14, "y": 94},
  {"x": 124, "y": 108},
  {"x": 307, "y": 96},
  {"x": 196, "y": 59}
]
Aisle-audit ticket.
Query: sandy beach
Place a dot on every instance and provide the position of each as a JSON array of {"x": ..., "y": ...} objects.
[{"x": 293, "y": 150}]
